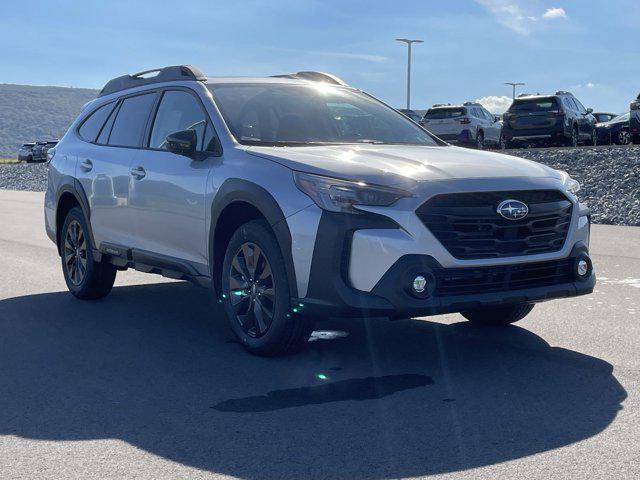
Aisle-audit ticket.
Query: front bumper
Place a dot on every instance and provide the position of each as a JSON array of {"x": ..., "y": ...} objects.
[{"x": 391, "y": 297}]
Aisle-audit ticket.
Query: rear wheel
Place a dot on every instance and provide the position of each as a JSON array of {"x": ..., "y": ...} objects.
[
  {"x": 502, "y": 143},
  {"x": 498, "y": 315},
  {"x": 572, "y": 141},
  {"x": 86, "y": 278},
  {"x": 594, "y": 138},
  {"x": 256, "y": 294}
]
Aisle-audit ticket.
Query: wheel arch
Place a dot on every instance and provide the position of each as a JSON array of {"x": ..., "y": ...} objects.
[
  {"x": 236, "y": 202},
  {"x": 69, "y": 195}
]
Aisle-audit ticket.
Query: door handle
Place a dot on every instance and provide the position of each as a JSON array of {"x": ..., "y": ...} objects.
[
  {"x": 87, "y": 165},
  {"x": 138, "y": 173}
]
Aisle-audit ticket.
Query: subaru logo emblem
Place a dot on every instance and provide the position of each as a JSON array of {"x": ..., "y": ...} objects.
[{"x": 513, "y": 209}]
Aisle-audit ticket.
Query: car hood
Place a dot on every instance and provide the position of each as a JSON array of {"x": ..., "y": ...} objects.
[{"x": 395, "y": 165}]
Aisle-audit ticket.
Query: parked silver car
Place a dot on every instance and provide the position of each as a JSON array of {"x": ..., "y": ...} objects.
[
  {"x": 299, "y": 197},
  {"x": 469, "y": 124}
]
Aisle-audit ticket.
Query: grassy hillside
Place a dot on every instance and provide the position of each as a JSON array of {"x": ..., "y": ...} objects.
[{"x": 29, "y": 113}]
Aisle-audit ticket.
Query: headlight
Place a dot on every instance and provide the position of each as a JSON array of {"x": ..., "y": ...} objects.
[
  {"x": 572, "y": 186},
  {"x": 338, "y": 195}
]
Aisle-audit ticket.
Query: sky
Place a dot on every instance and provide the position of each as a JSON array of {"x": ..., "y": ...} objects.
[{"x": 471, "y": 47}]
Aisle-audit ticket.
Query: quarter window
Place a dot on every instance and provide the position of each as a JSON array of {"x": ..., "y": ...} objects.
[
  {"x": 178, "y": 110},
  {"x": 131, "y": 120},
  {"x": 92, "y": 125}
]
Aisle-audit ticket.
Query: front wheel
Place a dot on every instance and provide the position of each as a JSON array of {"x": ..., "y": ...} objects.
[
  {"x": 623, "y": 137},
  {"x": 256, "y": 295},
  {"x": 480, "y": 141},
  {"x": 498, "y": 315},
  {"x": 86, "y": 278}
]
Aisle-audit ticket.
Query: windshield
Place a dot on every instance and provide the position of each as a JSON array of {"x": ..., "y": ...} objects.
[
  {"x": 288, "y": 114},
  {"x": 442, "y": 113},
  {"x": 534, "y": 105}
]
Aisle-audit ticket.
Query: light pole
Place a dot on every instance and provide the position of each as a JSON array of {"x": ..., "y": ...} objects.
[
  {"x": 514, "y": 85},
  {"x": 409, "y": 43}
]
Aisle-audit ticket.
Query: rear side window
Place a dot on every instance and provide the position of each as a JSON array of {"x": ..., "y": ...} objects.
[
  {"x": 442, "y": 113},
  {"x": 178, "y": 110},
  {"x": 534, "y": 105},
  {"x": 93, "y": 123},
  {"x": 131, "y": 120}
]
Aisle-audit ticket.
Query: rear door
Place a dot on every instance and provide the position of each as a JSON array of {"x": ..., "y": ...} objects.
[
  {"x": 103, "y": 166},
  {"x": 168, "y": 205}
]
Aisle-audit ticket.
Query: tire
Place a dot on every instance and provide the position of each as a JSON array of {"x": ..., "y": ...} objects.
[
  {"x": 572, "y": 141},
  {"x": 480, "y": 141},
  {"x": 623, "y": 137},
  {"x": 259, "y": 309},
  {"x": 502, "y": 143},
  {"x": 85, "y": 278},
  {"x": 498, "y": 315},
  {"x": 594, "y": 138}
]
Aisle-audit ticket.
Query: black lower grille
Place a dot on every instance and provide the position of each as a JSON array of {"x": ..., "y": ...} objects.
[
  {"x": 469, "y": 227},
  {"x": 469, "y": 281}
]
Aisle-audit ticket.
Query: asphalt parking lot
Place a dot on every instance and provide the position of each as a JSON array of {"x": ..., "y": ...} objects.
[{"x": 149, "y": 383}]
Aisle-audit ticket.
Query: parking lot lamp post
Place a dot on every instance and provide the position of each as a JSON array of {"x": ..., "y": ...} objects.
[
  {"x": 409, "y": 43},
  {"x": 514, "y": 85}
]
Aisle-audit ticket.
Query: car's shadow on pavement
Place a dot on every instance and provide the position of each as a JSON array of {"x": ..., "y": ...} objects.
[{"x": 156, "y": 366}]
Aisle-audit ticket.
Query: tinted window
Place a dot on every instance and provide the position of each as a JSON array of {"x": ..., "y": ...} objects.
[
  {"x": 178, "y": 111},
  {"x": 284, "y": 114},
  {"x": 534, "y": 104},
  {"x": 581, "y": 108},
  {"x": 441, "y": 113},
  {"x": 569, "y": 103},
  {"x": 92, "y": 125},
  {"x": 103, "y": 137},
  {"x": 131, "y": 120}
]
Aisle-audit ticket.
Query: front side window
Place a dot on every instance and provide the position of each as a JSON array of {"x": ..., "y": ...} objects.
[
  {"x": 91, "y": 126},
  {"x": 131, "y": 120},
  {"x": 178, "y": 110},
  {"x": 284, "y": 114}
]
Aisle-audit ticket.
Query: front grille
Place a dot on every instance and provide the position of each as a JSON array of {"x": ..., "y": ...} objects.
[
  {"x": 469, "y": 226},
  {"x": 469, "y": 281}
]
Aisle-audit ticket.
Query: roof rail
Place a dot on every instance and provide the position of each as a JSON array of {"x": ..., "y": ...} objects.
[
  {"x": 471, "y": 103},
  {"x": 314, "y": 77},
  {"x": 436, "y": 105},
  {"x": 562, "y": 92},
  {"x": 166, "y": 74}
]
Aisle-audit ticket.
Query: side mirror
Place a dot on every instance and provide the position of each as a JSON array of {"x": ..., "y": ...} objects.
[
  {"x": 589, "y": 110},
  {"x": 182, "y": 142}
]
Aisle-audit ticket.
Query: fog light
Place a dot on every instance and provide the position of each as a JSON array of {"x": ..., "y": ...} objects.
[
  {"x": 419, "y": 284},
  {"x": 583, "y": 268}
]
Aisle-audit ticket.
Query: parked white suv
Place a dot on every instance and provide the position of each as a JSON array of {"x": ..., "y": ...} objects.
[
  {"x": 298, "y": 197},
  {"x": 469, "y": 124}
]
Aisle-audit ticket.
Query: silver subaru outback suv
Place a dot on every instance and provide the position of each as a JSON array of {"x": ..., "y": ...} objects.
[{"x": 298, "y": 197}]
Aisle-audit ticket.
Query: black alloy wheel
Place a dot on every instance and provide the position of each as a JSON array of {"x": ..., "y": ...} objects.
[
  {"x": 252, "y": 290},
  {"x": 75, "y": 252}
]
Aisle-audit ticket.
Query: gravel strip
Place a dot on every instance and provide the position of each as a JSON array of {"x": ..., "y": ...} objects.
[{"x": 610, "y": 178}]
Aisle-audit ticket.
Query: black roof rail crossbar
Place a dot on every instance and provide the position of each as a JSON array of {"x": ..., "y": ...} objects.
[
  {"x": 166, "y": 74},
  {"x": 314, "y": 77}
]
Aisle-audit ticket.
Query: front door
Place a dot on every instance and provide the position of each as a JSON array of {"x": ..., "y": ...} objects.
[{"x": 168, "y": 194}]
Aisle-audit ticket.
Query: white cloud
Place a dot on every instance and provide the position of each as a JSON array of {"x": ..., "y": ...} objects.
[
  {"x": 553, "y": 13},
  {"x": 495, "y": 103},
  {"x": 509, "y": 14}
]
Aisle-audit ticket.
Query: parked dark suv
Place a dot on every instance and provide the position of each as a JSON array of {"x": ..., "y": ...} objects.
[
  {"x": 39, "y": 152},
  {"x": 558, "y": 119}
]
